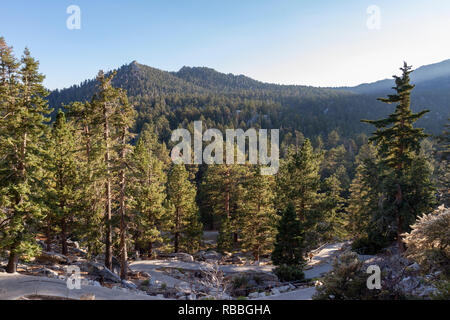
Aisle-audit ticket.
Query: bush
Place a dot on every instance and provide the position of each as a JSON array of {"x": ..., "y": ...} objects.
[
  {"x": 287, "y": 273},
  {"x": 443, "y": 292},
  {"x": 347, "y": 280},
  {"x": 240, "y": 282},
  {"x": 428, "y": 243}
]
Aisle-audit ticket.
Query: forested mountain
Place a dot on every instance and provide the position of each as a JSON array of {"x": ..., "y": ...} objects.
[{"x": 170, "y": 99}]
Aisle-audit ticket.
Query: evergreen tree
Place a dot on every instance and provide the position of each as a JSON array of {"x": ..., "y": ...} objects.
[
  {"x": 364, "y": 193},
  {"x": 288, "y": 248},
  {"x": 332, "y": 225},
  {"x": 124, "y": 120},
  {"x": 107, "y": 106},
  {"x": 223, "y": 189},
  {"x": 398, "y": 142},
  {"x": 22, "y": 126},
  {"x": 298, "y": 181},
  {"x": 259, "y": 219},
  {"x": 89, "y": 161},
  {"x": 183, "y": 209},
  {"x": 62, "y": 180},
  {"x": 148, "y": 192}
]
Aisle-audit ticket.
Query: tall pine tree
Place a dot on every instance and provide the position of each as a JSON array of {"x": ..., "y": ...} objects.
[
  {"x": 22, "y": 125},
  {"x": 406, "y": 194}
]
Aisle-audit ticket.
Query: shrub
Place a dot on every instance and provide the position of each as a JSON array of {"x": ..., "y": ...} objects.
[
  {"x": 240, "y": 282},
  {"x": 347, "y": 280},
  {"x": 286, "y": 273},
  {"x": 443, "y": 292},
  {"x": 428, "y": 243}
]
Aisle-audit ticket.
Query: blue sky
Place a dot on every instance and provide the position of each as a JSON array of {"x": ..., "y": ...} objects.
[{"x": 321, "y": 43}]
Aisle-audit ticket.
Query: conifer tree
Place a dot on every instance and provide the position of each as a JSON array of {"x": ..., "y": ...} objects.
[
  {"x": 332, "y": 225},
  {"x": 22, "y": 125},
  {"x": 288, "y": 248},
  {"x": 259, "y": 219},
  {"x": 364, "y": 193},
  {"x": 183, "y": 209},
  {"x": 105, "y": 105},
  {"x": 406, "y": 194},
  {"x": 89, "y": 162},
  {"x": 222, "y": 187},
  {"x": 62, "y": 180},
  {"x": 148, "y": 191},
  {"x": 124, "y": 120},
  {"x": 298, "y": 180}
]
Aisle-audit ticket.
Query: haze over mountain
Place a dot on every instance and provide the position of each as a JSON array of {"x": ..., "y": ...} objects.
[
  {"x": 170, "y": 99},
  {"x": 426, "y": 77}
]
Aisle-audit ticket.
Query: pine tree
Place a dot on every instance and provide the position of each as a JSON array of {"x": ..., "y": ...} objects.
[
  {"x": 364, "y": 193},
  {"x": 298, "y": 180},
  {"x": 259, "y": 219},
  {"x": 183, "y": 209},
  {"x": 89, "y": 161},
  {"x": 288, "y": 248},
  {"x": 62, "y": 180},
  {"x": 398, "y": 145},
  {"x": 22, "y": 125},
  {"x": 332, "y": 225},
  {"x": 110, "y": 106},
  {"x": 124, "y": 120},
  {"x": 222, "y": 187},
  {"x": 148, "y": 191}
]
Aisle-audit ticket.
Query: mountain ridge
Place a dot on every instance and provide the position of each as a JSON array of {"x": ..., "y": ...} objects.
[{"x": 170, "y": 99}]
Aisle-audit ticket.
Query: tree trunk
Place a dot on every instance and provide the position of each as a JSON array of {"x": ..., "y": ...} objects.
[
  {"x": 123, "y": 244},
  {"x": 177, "y": 228},
  {"x": 48, "y": 236},
  {"x": 64, "y": 249},
  {"x": 108, "y": 235},
  {"x": 150, "y": 249},
  {"x": 176, "y": 242},
  {"x": 12, "y": 261}
]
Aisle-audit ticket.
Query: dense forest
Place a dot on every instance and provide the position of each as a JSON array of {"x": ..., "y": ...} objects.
[{"x": 92, "y": 163}]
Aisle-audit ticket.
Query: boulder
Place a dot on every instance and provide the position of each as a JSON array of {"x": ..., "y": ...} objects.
[
  {"x": 275, "y": 291},
  {"x": 414, "y": 267},
  {"x": 253, "y": 295},
  {"x": 52, "y": 258},
  {"x": 129, "y": 284},
  {"x": 185, "y": 257},
  {"x": 73, "y": 244},
  {"x": 48, "y": 272},
  {"x": 99, "y": 270},
  {"x": 261, "y": 276},
  {"x": 212, "y": 255},
  {"x": 284, "y": 288},
  {"x": 115, "y": 263}
]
